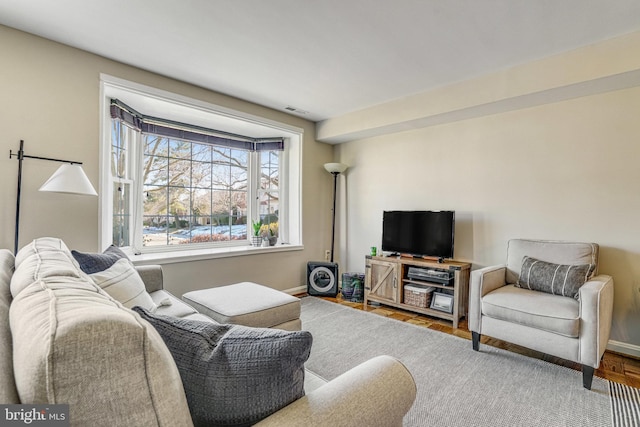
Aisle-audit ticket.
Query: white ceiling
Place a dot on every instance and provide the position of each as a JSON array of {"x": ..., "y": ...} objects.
[{"x": 327, "y": 57}]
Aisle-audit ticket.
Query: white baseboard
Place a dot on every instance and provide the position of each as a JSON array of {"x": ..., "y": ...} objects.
[
  {"x": 296, "y": 290},
  {"x": 624, "y": 348}
]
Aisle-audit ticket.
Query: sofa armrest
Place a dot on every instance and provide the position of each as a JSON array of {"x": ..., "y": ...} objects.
[
  {"x": 378, "y": 392},
  {"x": 596, "y": 311},
  {"x": 151, "y": 276},
  {"x": 483, "y": 281}
]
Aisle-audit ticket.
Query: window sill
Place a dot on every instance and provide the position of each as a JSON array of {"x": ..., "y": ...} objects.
[{"x": 208, "y": 253}]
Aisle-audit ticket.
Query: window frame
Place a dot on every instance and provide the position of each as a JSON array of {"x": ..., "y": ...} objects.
[{"x": 290, "y": 203}]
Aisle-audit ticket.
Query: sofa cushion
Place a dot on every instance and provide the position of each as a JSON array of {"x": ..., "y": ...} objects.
[
  {"x": 8, "y": 392},
  {"x": 75, "y": 344},
  {"x": 44, "y": 258},
  {"x": 234, "y": 375},
  {"x": 538, "y": 310},
  {"x": 556, "y": 279},
  {"x": 113, "y": 271}
]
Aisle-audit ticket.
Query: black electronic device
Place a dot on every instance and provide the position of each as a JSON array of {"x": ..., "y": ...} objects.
[
  {"x": 419, "y": 233},
  {"x": 322, "y": 278},
  {"x": 444, "y": 277}
]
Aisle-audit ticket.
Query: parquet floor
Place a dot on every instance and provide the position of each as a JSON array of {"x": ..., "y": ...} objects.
[{"x": 614, "y": 367}]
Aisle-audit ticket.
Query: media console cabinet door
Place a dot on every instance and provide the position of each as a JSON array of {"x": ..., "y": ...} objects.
[{"x": 381, "y": 280}]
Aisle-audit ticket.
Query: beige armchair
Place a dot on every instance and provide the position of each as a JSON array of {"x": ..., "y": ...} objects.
[{"x": 506, "y": 303}]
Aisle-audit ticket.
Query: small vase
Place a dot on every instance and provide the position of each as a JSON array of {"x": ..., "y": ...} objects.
[
  {"x": 256, "y": 240},
  {"x": 273, "y": 240}
]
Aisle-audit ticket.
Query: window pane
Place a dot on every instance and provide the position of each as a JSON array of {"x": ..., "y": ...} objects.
[
  {"x": 221, "y": 160},
  {"x": 119, "y": 147},
  {"x": 269, "y": 206},
  {"x": 179, "y": 173},
  {"x": 269, "y": 170},
  {"x": 201, "y": 233},
  {"x": 156, "y": 170},
  {"x": 179, "y": 149},
  {"x": 121, "y": 214},
  {"x": 201, "y": 152},
  {"x": 179, "y": 229},
  {"x": 154, "y": 231},
  {"x": 221, "y": 202},
  {"x": 156, "y": 145},
  {"x": 201, "y": 174},
  {"x": 238, "y": 172},
  {"x": 201, "y": 203},
  {"x": 179, "y": 215},
  {"x": 154, "y": 220},
  {"x": 179, "y": 201},
  {"x": 238, "y": 215}
]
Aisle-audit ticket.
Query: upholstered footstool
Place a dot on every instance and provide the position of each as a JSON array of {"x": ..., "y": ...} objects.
[{"x": 248, "y": 304}]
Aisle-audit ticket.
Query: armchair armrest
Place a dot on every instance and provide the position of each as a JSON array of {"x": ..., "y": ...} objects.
[
  {"x": 151, "y": 276},
  {"x": 483, "y": 281},
  {"x": 596, "y": 311},
  {"x": 382, "y": 390}
]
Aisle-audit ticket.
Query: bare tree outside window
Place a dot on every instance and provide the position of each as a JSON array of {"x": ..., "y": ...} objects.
[{"x": 193, "y": 193}]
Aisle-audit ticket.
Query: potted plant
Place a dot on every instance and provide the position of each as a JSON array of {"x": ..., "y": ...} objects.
[
  {"x": 273, "y": 233},
  {"x": 269, "y": 232},
  {"x": 256, "y": 239}
]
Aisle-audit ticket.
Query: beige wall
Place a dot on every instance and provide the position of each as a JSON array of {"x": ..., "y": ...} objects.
[
  {"x": 563, "y": 169},
  {"x": 50, "y": 98}
]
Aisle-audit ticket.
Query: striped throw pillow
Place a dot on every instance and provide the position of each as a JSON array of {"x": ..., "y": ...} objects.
[{"x": 556, "y": 279}]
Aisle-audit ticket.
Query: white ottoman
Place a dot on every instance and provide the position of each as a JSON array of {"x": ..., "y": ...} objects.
[{"x": 248, "y": 304}]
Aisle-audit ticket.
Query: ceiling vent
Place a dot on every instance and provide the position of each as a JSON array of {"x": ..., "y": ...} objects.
[{"x": 296, "y": 110}]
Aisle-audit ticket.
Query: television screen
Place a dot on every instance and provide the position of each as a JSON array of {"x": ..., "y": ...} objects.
[{"x": 419, "y": 233}]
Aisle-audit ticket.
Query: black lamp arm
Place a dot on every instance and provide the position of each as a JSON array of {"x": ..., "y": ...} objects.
[{"x": 21, "y": 156}]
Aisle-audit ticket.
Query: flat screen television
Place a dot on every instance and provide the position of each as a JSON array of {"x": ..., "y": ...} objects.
[{"x": 419, "y": 233}]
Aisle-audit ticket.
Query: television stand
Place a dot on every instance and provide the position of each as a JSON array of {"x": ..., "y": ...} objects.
[
  {"x": 386, "y": 279},
  {"x": 439, "y": 260}
]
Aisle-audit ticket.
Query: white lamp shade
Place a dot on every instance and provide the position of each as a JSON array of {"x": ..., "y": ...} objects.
[
  {"x": 335, "y": 167},
  {"x": 69, "y": 178}
]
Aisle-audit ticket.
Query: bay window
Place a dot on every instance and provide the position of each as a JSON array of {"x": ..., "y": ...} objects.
[{"x": 174, "y": 185}]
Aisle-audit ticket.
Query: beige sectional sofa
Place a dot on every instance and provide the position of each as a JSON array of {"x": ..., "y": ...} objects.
[{"x": 65, "y": 340}]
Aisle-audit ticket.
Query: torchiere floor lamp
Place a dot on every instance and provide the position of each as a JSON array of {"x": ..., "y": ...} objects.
[{"x": 335, "y": 169}]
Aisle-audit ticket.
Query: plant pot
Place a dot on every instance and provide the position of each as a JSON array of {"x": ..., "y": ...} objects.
[
  {"x": 256, "y": 240},
  {"x": 273, "y": 240}
]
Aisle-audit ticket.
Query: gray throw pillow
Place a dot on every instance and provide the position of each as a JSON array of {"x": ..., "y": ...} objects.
[
  {"x": 94, "y": 262},
  {"x": 234, "y": 375},
  {"x": 556, "y": 279},
  {"x": 116, "y": 275}
]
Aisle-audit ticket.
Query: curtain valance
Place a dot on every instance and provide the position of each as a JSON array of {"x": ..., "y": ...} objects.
[{"x": 172, "y": 129}]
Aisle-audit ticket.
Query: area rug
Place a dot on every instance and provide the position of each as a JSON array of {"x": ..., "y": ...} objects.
[{"x": 458, "y": 386}]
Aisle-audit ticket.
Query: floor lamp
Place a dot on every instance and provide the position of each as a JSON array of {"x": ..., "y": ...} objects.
[
  {"x": 322, "y": 277},
  {"x": 335, "y": 169},
  {"x": 69, "y": 178}
]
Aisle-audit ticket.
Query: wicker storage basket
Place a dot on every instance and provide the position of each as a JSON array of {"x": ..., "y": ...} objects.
[{"x": 418, "y": 295}]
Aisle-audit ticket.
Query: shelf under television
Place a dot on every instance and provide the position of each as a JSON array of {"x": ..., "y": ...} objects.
[
  {"x": 386, "y": 278},
  {"x": 426, "y": 283}
]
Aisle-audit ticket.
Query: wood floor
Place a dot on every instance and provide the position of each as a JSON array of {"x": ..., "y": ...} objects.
[{"x": 614, "y": 367}]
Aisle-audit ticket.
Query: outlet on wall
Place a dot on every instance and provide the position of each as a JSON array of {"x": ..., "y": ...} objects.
[{"x": 327, "y": 255}]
